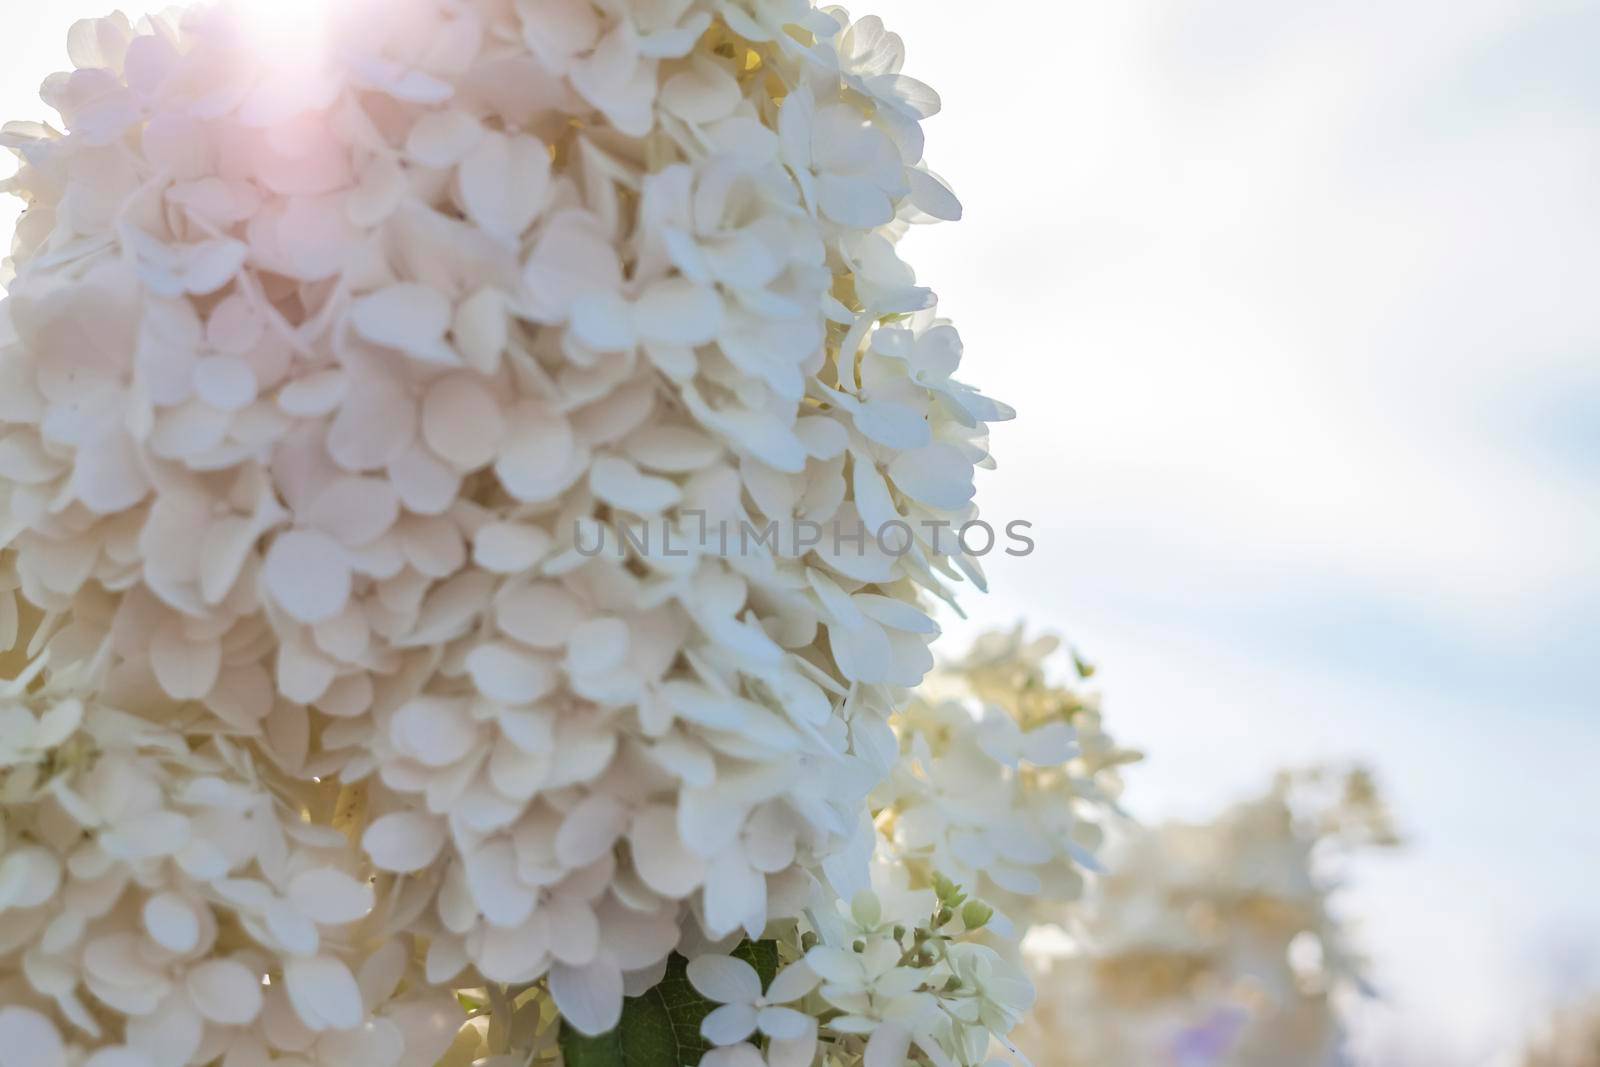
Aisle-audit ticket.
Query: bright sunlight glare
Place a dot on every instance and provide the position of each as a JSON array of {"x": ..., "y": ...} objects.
[{"x": 285, "y": 27}]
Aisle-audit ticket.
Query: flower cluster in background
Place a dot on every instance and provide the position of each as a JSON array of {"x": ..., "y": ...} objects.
[
  {"x": 323, "y": 741},
  {"x": 1215, "y": 944},
  {"x": 1000, "y": 763},
  {"x": 1005, "y": 781},
  {"x": 1571, "y": 1038}
]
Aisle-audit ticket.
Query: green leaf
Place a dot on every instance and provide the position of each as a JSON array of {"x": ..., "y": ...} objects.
[
  {"x": 577, "y": 1050},
  {"x": 662, "y": 1027},
  {"x": 762, "y": 955}
]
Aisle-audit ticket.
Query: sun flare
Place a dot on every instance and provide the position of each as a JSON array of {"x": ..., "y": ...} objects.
[{"x": 285, "y": 26}]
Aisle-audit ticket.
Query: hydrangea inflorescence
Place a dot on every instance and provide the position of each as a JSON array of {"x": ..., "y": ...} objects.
[
  {"x": 318, "y": 372},
  {"x": 1219, "y": 943}
]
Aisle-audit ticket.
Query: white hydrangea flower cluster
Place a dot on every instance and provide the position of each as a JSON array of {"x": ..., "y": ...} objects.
[
  {"x": 1214, "y": 944},
  {"x": 894, "y": 977},
  {"x": 1005, "y": 780},
  {"x": 996, "y": 801},
  {"x": 156, "y": 884},
  {"x": 333, "y": 380},
  {"x": 908, "y": 965}
]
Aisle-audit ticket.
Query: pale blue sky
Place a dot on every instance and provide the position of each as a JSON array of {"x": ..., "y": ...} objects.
[{"x": 1297, "y": 302}]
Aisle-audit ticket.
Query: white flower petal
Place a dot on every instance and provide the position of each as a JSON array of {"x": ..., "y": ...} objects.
[
  {"x": 894, "y": 425},
  {"x": 794, "y": 1052},
  {"x": 507, "y": 674},
  {"x": 505, "y": 181},
  {"x": 170, "y": 1035},
  {"x": 703, "y": 93},
  {"x": 619, "y": 483},
  {"x": 225, "y": 992},
  {"x": 28, "y": 1039},
  {"x": 540, "y": 615},
  {"x": 938, "y": 475},
  {"x": 187, "y": 669},
  {"x": 672, "y": 449},
  {"x": 604, "y": 321},
  {"x": 108, "y": 476},
  {"x": 833, "y": 964},
  {"x": 784, "y": 1024},
  {"x": 29, "y": 876},
  {"x": 728, "y": 1024},
  {"x": 590, "y": 829},
  {"x": 426, "y": 484},
  {"x": 409, "y": 317},
  {"x": 509, "y": 547},
  {"x": 734, "y": 1056},
  {"x": 172, "y": 922},
  {"x": 726, "y": 980},
  {"x": 225, "y": 382},
  {"x": 933, "y": 196},
  {"x": 736, "y": 895},
  {"x": 660, "y": 856},
  {"x": 403, "y": 841},
  {"x": 462, "y": 421},
  {"x": 443, "y": 138},
  {"x": 792, "y": 983},
  {"x": 888, "y": 1046},
  {"x": 574, "y": 931},
  {"x": 537, "y": 460},
  {"x": 678, "y": 312},
  {"x": 503, "y": 898},
  {"x": 572, "y": 257},
  {"x": 515, "y": 955},
  {"x": 330, "y": 897},
  {"x": 853, "y": 202},
  {"x": 324, "y": 993},
  {"x": 435, "y": 731},
  {"x": 355, "y": 511},
  {"x": 597, "y": 646},
  {"x": 315, "y": 394},
  {"x": 482, "y": 329},
  {"x": 589, "y": 998},
  {"x": 308, "y": 574},
  {"x": 377, "y": 421},
  {"x": 157, "y": 833}
]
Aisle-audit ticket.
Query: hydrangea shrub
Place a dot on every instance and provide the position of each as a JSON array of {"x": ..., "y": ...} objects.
[
  {"x": 347, "y": 721},
  {"x": 1217, "y": 943}
]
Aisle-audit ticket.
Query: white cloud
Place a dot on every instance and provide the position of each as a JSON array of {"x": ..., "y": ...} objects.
[{"x": 1266, "y": 292}]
